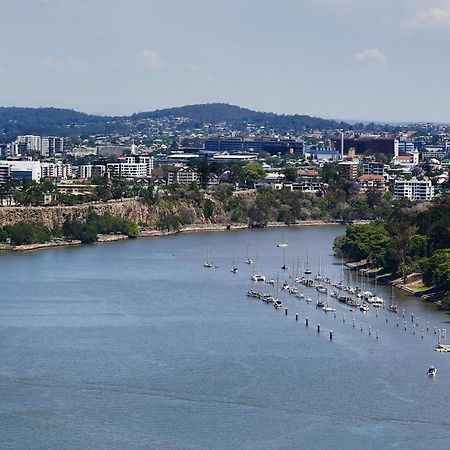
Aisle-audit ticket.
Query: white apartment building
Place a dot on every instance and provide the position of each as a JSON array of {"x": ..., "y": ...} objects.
[
  {"x": 84, "y": 172},
  {"x": 34, "y": 143},
  {"x": 182, "y": 175},
  {"x": 414, "y": 189},
  {"x": 132, "y": 167},
  {"x": 56, "y": 170}
]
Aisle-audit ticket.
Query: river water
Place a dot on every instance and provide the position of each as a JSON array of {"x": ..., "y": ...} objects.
[{"x": 135, "y": 344}]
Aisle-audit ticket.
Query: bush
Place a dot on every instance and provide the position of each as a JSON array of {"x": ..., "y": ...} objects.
[{"x": 23, "y": 233}]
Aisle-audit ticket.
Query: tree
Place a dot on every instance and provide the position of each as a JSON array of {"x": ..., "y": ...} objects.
[{"x": 253, "y": 171}]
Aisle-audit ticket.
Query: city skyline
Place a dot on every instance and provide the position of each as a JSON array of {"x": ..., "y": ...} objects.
[{"x": 341, "y": 59}]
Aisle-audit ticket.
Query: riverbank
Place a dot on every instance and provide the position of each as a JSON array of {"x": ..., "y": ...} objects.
[{"x": 148, "y": 233}]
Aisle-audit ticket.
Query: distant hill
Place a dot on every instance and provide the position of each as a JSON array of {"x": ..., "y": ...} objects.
[
  {"x": 239, "y": 117},
  {"x": 66, "y": 122}
]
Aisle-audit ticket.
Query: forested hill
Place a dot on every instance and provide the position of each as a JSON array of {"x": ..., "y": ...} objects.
[
  {"x": 47, "y": 121},
  {"x": 239, "y": 117},
  {"x": 66, "y": 122}
]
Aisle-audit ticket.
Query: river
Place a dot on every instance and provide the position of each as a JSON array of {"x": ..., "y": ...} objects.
[{"x": 136, "y": 345}]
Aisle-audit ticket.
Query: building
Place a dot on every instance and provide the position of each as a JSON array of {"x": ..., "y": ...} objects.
[
  {"x": 132, "y": 167},
  {"x": 5, "y": 173},
  {"x": 34, "y": 143},
  {"x": 373, "y": 168},
  {"x": 56, "y": 170},
  {"x": 181, "y": 175},
  {"x": 23, "y": 170},
  {"x": 414, "y": 189},
  {"x": 435, "y": 151},
  {"x": 108, "y": 151},
  {"x": 367, "y": 145},
  {"x": 321, "y": 154},
  {"x": 75, "y": 189},
  {"x": 84, "y": 172},
  {"x": 242, "y": 144},
  {"x": 405, "y": 147},
  {"x": 349, "y": 169},
  {"x": 50, "y": 145},
  {"x": 369, "y": 181}
]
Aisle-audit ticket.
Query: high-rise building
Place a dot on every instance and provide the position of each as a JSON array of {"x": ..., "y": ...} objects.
[{"x": 51, "y": 145}]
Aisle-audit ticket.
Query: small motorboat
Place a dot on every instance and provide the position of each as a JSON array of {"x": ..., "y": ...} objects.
[
  {"x": 328, "y": 309},
  {"x": 431, "y": 371},
  {"x": 258, "y": 277},
  {"x": 277, "y": 304},
  {"x": 393, "y": 308},
  {"x": 234, "y": 269},
  {"x": 364, "y": 307}
]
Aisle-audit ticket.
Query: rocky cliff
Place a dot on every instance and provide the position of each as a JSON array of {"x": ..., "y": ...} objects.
[{"x": 54, "y": 216}]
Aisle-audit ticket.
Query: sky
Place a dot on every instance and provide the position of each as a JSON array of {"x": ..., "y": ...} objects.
[{"x": 383, "y": 60}]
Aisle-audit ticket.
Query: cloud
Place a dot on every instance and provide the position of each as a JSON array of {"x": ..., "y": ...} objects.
[
  {"x": 150, "y": 60},
  {"x": 49, "y": 61},
  {"x": 210, "y": 78},
  {"x": 436, "y": 15},
  {"x": 371, "y": 56},
  {"x": 70, "y": 62},
  {"x": 192, "y": 67}
]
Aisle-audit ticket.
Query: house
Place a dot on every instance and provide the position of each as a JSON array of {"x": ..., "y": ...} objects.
[{"x": 369, "y": 181}]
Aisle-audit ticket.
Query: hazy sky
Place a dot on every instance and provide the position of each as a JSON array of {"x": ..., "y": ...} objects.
[{"x": 349, "y": 59}]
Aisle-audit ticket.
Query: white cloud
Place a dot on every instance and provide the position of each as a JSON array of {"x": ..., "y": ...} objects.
[
  {"x": 49, "y": 61},
  {"x": 435, "y": 15},
  {"x": 150, "y": 60},
  {"x": 207, "y": 76},
  {"x": 371, "y": 56},
  {"x": 192, "y": 67}
]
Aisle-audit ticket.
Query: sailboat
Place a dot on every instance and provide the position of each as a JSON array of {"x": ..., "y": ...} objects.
[
  {"x": 234, "y": 268},
  {"x": 208, "y": 263},
  {"x": 248, "y": 260},
  {"x": 284, "y": 242},
  {"x": 393, "y": 308},
  {"x": 307, "y": 269},
  {"x": 284, "y": 267}
]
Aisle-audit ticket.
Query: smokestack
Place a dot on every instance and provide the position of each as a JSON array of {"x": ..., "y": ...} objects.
[{"x": 342, "y": 145}]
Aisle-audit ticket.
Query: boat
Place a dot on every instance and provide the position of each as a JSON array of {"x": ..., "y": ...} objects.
[
  {"x": 307, "y": 268},
  {"x": 277, "y": 304},
  {"x": 328, "y": 309},
  {"x": 320, "y": 304},
  {"x": 308, "y": 299},
  {"x": 234, "y": 268},
  {"x": 431, "y": 371},
  {"x": 248, "y": 260},
  {"x": 284, "y": 242},
  {"x": 321, "y": 289},
  {"x": 284, "y": 267},
  {"x": 268, "y": 299},
  {"x": 208, "y": 263},
  {"x": 258, "y": 277},
  {"x": 364, "y": 307},
  {"x": 392, "y": 307}
]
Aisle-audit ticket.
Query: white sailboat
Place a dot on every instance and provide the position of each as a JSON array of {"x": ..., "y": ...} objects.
[
  {"x": 208, "y": 263},
  {"x": 284, "y": 242},
  {"x": 248, "y": 260},
  {"x": 307, "y": 268}
]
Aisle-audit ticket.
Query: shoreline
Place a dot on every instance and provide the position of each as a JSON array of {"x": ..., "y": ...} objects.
[{"x": 149, "y": 233}]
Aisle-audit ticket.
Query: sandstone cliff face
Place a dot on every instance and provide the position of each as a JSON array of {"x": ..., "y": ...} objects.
[{"x": 55, "y": 216}]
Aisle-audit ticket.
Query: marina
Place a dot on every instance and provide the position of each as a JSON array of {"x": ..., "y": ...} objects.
[{"x": 151, "y": 335}]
